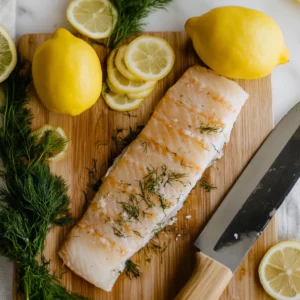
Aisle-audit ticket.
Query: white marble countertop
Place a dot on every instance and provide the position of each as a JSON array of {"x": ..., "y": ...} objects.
[{"x": 38, "y": 16}]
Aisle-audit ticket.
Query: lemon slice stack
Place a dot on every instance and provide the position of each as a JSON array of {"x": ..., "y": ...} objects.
[{"x": 134, "y": 69}]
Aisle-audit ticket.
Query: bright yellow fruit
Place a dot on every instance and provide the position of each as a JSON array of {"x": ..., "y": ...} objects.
[
  {"x": 122, "y": 84},
  {"x": 279, "y": 271},
  {"x": 8, "y": 54},
  {"x": 95, "y": 19},
  {"x": 120, "y": 102},
  {"x": 66, "y": 74},
  {"x": 238, "y": 42},
  {"x": 149, "y": 57}
]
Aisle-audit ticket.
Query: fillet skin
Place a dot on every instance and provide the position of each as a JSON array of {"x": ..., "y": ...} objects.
[{"x": 149, "y": 182}]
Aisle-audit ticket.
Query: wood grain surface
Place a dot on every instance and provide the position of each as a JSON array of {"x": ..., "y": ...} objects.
[{"x": 90, "y": 135}]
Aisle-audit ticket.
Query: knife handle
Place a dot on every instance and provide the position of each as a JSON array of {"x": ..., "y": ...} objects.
[{"x": 208, "y": 281}]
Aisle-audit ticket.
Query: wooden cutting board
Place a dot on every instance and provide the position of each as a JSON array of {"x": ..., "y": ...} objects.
[{"x": 90, "y": 135}]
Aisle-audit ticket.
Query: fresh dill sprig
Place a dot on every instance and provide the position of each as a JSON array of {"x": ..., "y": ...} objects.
[
  {"x": 206, "y": 185},
  {"x": 132, "y": 269},
  {"x": 206, "y": 128},
  {"x": 31, "y": 199},
  {"x": 131, "y": 16}
]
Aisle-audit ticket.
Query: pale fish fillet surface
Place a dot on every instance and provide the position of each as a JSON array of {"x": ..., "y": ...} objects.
[{"x": 150, "y": 181}]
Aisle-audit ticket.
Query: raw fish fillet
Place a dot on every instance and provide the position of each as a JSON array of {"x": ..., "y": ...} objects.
[{"x": 149, "y": 182}]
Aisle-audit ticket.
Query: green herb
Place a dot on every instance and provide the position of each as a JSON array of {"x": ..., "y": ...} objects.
[
  {"x": 132, "y": 269},
  {"x": 118, "y": 232},
  {"x": 208, "y": 129},
  {"x": 32, "y": 199},
  {"x": 206, "y": 185},
  {"x": 132, "y": 207},
  {"x": 138, "y": 233},
  {"x": 145, "y": 145},
  {"x": 175, "y": 177},
  {"x": 131, "y": 16},
  {"x": 154, "y": 180},
  {"x": 122, "y": 138}
]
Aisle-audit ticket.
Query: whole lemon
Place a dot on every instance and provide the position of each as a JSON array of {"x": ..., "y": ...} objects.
[
  {"x": 238, "y": 42},
  {"x": 66, "y": 74}
]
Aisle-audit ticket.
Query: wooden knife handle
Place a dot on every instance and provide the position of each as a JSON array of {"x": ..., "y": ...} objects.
[{"x": 208, "y": 281}]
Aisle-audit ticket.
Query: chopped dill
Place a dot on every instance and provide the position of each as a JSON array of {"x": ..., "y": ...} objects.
[
  {"x": 117, "y": 232},
  {"x": 132, "y": 207},
  {"x": 132, "y": 269},
  {"x": 208, "y": 129},
  {"x": 206, "y": 185},
  {"x": 145, "y": 145},
  {"x": 156, "y": 179},
  {"x": 175, "y": 177},
  {"x": 138, "y": 233}
]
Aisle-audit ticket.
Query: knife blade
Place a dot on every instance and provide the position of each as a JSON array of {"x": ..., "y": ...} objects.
[{"x": 246, "y": 210}]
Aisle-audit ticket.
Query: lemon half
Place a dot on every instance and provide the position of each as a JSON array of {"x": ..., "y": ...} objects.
[
  {"x": 8, "y": 54},
  {"x": 93, "y": 18},
  {"x": 279, "y": 271}
]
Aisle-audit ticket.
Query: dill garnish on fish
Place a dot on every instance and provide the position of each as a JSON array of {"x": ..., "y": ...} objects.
[{"x": 206, "y": 128}]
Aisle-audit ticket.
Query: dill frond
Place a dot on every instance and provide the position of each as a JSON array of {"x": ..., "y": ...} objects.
[
  {"x": 132, "y": 269},
  {"x": 206, "y": 128},
  {"x": 206, "y": 185},
  {"x": 131, "y": 16},
  {"x": 31, "y": 199}
]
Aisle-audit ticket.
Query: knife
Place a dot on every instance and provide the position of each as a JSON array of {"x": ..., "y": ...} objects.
[{"x": 246, "y": 210}]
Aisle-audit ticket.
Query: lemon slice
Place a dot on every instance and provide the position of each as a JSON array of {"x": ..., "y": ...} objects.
[
  {"x": 120, "y": 102},
  {"x": 149, "y": 57},
  {"x": 58, "y": 130},
  {"x": 121, "y": 66},
  {"x": 279, "y": 271},
  {"x": 140, "y": 95},
  {"x": 8, "y": 54},
  {"x": 122, "y": 84},
  {"x": 93, "y": 18}
]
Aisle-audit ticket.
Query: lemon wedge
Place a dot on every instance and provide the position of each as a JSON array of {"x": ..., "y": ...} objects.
[
  {"x": 121, "y": 66},
  {"x": 39, "y": 134},
  {"x": 122, "y": 84},
  {"x": 149, "y": 57},
  {"x": 140, "y": 95},
  {"x": 93, "y": 18},
  {"x": 120, "y": 102},
  {"x": 279, "y": 271},
  {"x": 8, "y": 54}
]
